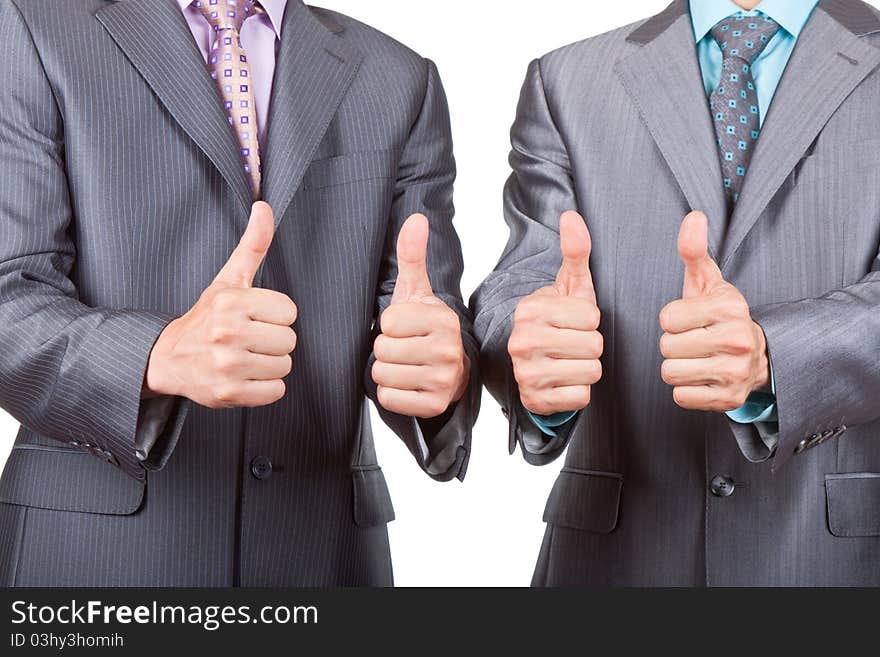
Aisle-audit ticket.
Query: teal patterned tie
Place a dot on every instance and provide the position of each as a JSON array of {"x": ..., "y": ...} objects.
[{"x": 734, "y": 103}]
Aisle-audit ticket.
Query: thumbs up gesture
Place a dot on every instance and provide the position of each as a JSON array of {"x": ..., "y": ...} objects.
[
  {"x": 555, "y": 344},
  {"x": 421, "y": 367},
  {"x": 232, "y": 349},
  {"x": 716, "y": 356}
]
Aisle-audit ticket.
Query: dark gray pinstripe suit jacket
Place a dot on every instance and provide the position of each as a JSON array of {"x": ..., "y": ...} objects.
[
  {"x": 121, "y": 195},
  {"x": 618, "y": 126}
]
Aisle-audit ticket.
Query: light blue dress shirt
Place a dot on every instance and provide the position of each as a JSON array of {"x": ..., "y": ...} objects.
[{"x": 767, "y": 70}]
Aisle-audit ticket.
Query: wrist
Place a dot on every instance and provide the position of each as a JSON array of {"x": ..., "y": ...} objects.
[
  {"x": 158, "y": 378},
  {"x": 463, "y": 379},
  {"x": 762, "y": 366}
]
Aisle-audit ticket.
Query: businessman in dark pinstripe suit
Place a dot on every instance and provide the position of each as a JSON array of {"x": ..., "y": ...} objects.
[{"x": 191, "y": 368}]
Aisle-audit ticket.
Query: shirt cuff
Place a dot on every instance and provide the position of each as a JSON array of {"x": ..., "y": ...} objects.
[
  {"x": 548, "y": 423},
  {"x": 759, "y": 407}
]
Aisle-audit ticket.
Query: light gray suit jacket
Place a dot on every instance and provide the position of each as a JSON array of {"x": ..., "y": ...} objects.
[
  {"x": 121, "y": 196},
  {"x": 618, "y": 126}
]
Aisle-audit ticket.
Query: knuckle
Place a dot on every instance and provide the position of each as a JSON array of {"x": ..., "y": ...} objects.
[
  {"x": 223, "y": 362},
  {"x": 583, "y": 396},
  {"x": 386, "y": 398},
  {"x": 739, "y": 341},
  {"x": 435, "y": 406},
  {"x": 225, "y": 300},
  {"x": 382, "y": 394},
  {"x": 527, "y": 375},
  {"x": 377, "y": 371},
  {"x": 594, "y": 316},
  {"x": 380, "y": 346},
  {"x": 665, "y": 347},
  {"x": 526, "y": 310},
  {"x": 278, "y": 390},
  {"x": 390, "y": 319},
  {"x": 225, "y": 395},
  {"x": 221, "y": 334},
  {"x": 735, "y": 306},
  {"x": 293, "y": 310},
  {"x": 734, "y": 400},
  {"x": 666, "y": 372},
  {"x": 666, "y": 317},
  {"x": 534, "y": 403},
  {"x": 742, "y": 369},
  {"x": 736, "y": 371},
  {"x": 443, "y": 378},
  {"x": 594, "y": 371},
  {"x": 680, "y": 397},
  {"x": 518, "y": 346},
  {"x": 451, "y": 320},
  {"x": 449, "y": 353}
]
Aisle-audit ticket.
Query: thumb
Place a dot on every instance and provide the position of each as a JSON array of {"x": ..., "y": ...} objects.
[
  {"x": 700, "y": 271},
  {"x": 574, "y": 277},
  {"x": 412, "y": 268},
  {"x": 242, "y": 266}
]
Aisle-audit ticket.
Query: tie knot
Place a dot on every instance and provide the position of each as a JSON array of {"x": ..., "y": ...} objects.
[
  {"x": 227, "y": 14},
  {"x": 744, "y": 36}
]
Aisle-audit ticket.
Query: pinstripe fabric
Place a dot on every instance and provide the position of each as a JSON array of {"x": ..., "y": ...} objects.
[
  {"x": 119, "y": 205},
  {"x": 618, "y": 127}
]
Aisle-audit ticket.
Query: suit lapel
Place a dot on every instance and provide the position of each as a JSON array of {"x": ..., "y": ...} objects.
[
  {"x": 313, "y": 70},
  {"x": 828, "y": 63},
  {"x": 155, "y": 38},
  {"x": 663, "y": 77}
]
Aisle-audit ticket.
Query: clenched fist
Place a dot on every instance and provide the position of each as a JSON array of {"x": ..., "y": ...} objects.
[
  {"x": 421, "y": 367},
  {"x": 232, "y": 349},
  {"x": 716, "y": 356},
  {"x": 555, "y": 344}
]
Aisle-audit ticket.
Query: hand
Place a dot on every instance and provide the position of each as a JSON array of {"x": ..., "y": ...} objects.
[
  {"x": 232, "y": 349},
  {"x": 716, "y": 356},
  {"x": 421, "y": 367},
  {"x": 555, "y": 344}
]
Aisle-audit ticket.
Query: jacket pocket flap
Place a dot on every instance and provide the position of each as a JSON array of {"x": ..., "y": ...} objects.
[
  {"x": 853, "y": 504},
  {"x": 343, "y": 169},
  {"x": 586, "y": 500},
  {"x": 68, "y": 480},
  {"x": 372, "y": 501}
]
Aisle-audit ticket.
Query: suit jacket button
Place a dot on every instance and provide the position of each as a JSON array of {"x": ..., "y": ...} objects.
[
  {"x": 261, "y": 468},
  {"x": 722, "y": 486}
]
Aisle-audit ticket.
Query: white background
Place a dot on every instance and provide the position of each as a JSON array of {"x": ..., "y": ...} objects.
[{"x": 487, "y": 531}]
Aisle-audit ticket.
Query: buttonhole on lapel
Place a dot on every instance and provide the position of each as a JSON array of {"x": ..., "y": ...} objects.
[
  {"x": 338, "y": 58},
  {"x": 854, "y": 62}
]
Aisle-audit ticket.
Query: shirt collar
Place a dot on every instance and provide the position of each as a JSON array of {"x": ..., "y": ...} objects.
[
  {"x": 792, "y": 15},
  {"x": 274, "y": 10}
]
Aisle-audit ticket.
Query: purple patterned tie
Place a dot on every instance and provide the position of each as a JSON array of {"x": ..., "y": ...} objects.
[
  {"x": 229, "y": 67},
  {"x": 735, "y": 102}
]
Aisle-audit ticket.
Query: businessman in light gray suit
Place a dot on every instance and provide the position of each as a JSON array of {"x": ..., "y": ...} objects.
[
  {"x": 191, "y": 370},
  {"x": 716, "y": 380}
]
